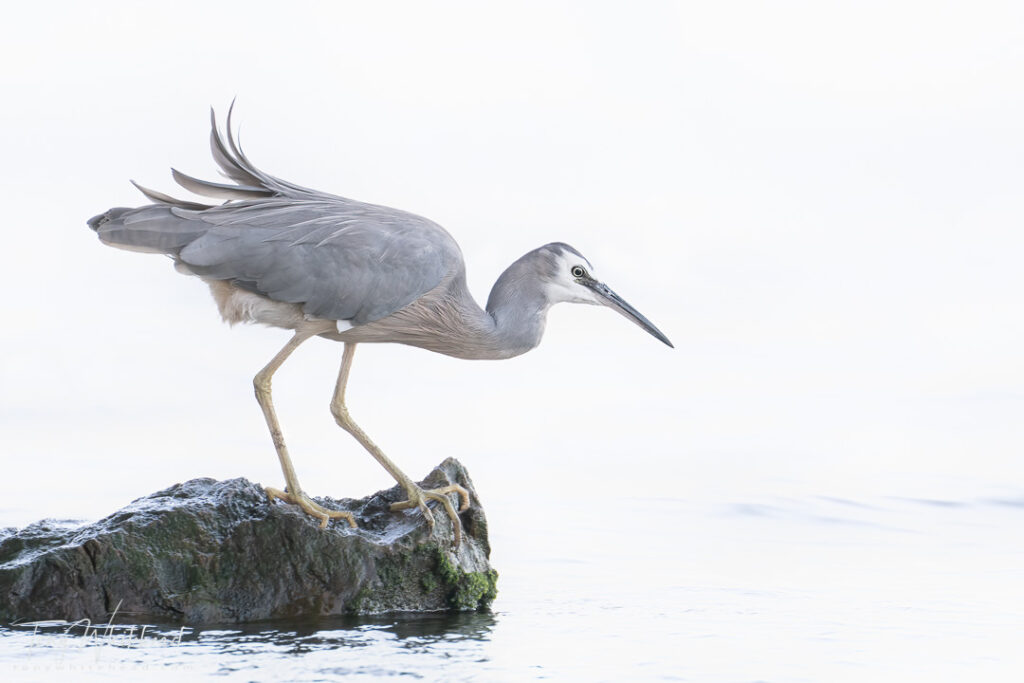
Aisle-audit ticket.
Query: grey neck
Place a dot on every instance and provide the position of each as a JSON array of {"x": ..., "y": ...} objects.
[
  {"x": 512, "y": 323},
  {"x": 451, "y": 322},
  {"x": 518, "y": 320},
  {"x": 519, "y": 306}
]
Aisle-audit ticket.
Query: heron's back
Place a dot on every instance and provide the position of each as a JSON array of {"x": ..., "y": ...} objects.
[{"x": 336, "y": 258}]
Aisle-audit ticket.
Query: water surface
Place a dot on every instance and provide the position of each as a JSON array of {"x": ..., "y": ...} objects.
[{"x": 756, "y": 588}]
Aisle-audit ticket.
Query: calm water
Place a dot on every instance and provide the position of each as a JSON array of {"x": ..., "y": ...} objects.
[{"x": 757, "y": 588}]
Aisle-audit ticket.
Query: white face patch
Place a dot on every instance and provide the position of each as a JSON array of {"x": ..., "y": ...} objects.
[{"x": 563, "y": 287}]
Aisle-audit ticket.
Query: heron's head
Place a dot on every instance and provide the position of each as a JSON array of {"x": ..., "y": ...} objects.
[{"x": 570, "y": 277}]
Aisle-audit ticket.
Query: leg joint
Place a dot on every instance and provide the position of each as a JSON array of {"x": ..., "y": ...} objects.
[
  {"x": 261, "y": 385},
  {"x": 341, "y": 415}
]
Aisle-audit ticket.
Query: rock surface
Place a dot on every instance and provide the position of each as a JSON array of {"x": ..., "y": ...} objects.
[{"x": 209, "y": 551}]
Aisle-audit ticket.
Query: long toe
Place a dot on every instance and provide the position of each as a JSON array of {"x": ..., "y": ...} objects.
[
  {"x": 418, "y": 498},
  {"x": 333, "y": 514},
  {"x": 455, "y": 488},
  {"x": 310, "y": 507}
]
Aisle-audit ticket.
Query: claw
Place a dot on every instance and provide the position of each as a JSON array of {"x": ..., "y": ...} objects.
[
  {"x": 427, "y": 514},
  {"x": 310, "y": 507},
  {"x": 418, "y": 498}
]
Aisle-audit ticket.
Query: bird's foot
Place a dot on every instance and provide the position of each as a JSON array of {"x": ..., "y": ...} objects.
[
  {"x": 310, "y": 507},
  {"x": 418, "y": 497}
]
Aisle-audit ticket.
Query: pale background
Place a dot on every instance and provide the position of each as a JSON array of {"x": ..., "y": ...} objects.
[{"x": 819, "y": 203}]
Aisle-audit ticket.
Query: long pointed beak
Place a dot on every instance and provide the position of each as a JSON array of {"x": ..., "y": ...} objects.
[{"x": 617, "y": 303}]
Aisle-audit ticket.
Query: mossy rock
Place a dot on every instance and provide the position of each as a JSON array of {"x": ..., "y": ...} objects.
[{"x": 209, "y": 551}]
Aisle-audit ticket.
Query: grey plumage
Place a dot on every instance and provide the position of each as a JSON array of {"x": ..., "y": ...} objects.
[
  {"x": 340, "y": 259},
  {"x": 284, "y": 255}
]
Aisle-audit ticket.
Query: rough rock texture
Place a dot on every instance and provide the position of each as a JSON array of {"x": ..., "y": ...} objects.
[{"x": 210, "y": 551}]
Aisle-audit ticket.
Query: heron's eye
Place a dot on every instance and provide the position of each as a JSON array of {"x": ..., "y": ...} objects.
[{"x": 577, "y": 271}]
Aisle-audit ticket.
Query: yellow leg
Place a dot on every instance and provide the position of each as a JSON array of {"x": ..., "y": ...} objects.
[
  {"x": 417, "y": 496},
  {"x": 294, "y": 493}
]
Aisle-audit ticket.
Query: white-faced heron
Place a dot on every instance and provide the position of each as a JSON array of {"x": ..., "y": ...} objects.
[{"x": 321, "y": 265}]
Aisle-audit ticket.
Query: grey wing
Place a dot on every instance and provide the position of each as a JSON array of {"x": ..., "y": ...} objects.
[{"x": 342, "y": 260}]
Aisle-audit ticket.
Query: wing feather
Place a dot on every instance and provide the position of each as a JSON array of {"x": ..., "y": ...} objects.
[
  {"x": 361, "y": 271},
  {"x": 228, "y": 164},
  {"x": 218, "y": 190},
  {"x": 161, "y": 198}
]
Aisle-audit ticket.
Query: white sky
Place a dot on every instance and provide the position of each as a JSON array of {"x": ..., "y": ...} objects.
[{"x": 820, "y": 203}]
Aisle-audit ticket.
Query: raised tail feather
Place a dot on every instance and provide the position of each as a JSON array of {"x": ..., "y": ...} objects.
[{"x": 159, "y": 228}]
